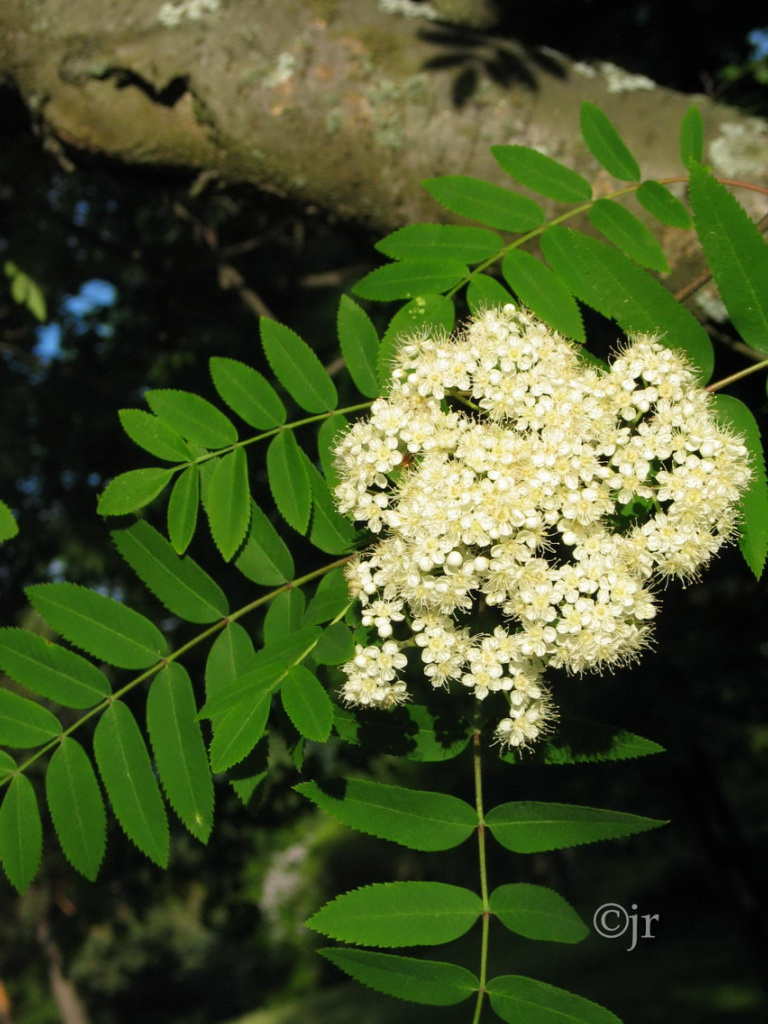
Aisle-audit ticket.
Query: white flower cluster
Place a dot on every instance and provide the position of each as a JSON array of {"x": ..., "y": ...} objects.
[{"x": 525, "y": 502}]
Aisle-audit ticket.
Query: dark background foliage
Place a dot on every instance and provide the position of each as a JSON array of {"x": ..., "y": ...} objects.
[{"x": 187, "y": 267}]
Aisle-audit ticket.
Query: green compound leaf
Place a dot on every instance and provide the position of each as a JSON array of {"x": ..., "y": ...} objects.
[
  {"x": 179, "y": 751},
  {"x": 284, "y": 615},
  {"x": 418, "y": 981},
  {"x": 737, "y": 255},
  {"x": 297, "y": 367},
  {"x": 579, "y": 741},
  {"x": 238, "y": 731},
  {"x": 692, "y": 137},
  {"x": 434, "y": 313},
  {"x": 753, "y": 505},
  {"x": 51, "y": 671},
  {"x": 24, "y": 723},
  {"x": 606, "y": 145},
  {"x": 542, "y": 291},
  {"x": 8, "y": 525},
  {"x": 289, "y": 480},
  {"x": 616, "y": 287},
  {"x": 129, "y": 779},
  {"x": 307, "y": 704},
  {"x": 227, "y": 502},
  {"x": 410, "y": 278},
  {"x": 327, "y": 439},
  {"x": 336, "y": 645},
  {"x": 247, "y": 393},
  {"x": 414, "y": 818},
  {"x": 154, "y": 435},
  {"x": 21, "y": 833},
  {"x": 359, "y": 344},
  {"x": 329, "y": 600},
  {"x": 531, "y": 827},
  {"x": 331, "y": 532},
  {"x": 516, "y": 1000},
  {"x": 542, "y": 174},
  {"x": 441, "y": 241},
  {"x": 489, "y": 204},
  {"x": 264, "y": 558},
  {"x": 77, "y": 807},
  {"x": 182, "y": 509},
  {"x": 399, "y": 914},
  {"x": 628, "y": 234},
  {"x": 180, "y": 584},
  {"x": 193, "y": 417},
  {"x": 132, "y": 490},
  {"x": 659, "y": 201},
  {"x": 231, "y": 656},
  {"x": 484, "y": 292},
  {"x": 537, "y": 913},
  {"x": 100, "y": 626},
  {"x": 7, "y": 766}
]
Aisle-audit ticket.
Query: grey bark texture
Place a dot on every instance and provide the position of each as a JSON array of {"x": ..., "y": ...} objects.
[{"x": 332, "y": 104}]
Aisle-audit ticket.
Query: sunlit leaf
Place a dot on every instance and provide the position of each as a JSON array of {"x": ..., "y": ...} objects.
[
  {"x": 264, "y": 557},
  {"x": 329, "y": 600},
  {"x": 21, "y": 833},
  {"x": 129, "y": 779},
  {"x": 537, "y": 913},
  {"x": 542, "y": 174},
  {"x": 659, "y": 201},
  {"x": 489, "y": 204},
  {"x": 543, "y": 292},
  {"x": 182, "y": 509},
  {"x": 531, "y": 827},
  {"x": 195, "y": 418},
  {"x": 628, "y": 234},
  {"x": 8, "y": 525},
  {"x": 131, "y": 491},
  {"x": 441, "y": 241},
  {"x": 399, "y": 914},
  {"x": 692, "y": 137},
  {"x": 99, "y": 625},
  {"x": 154, "y": 435},
  {"x": 516, "y": 999},
  {"x": 485, "y": 292},
  {"x": 289, "y": 480},
  {"x": 51, "y": 671},
  {"x": 606, "y": 145},
  {"x": 228, "y": 502},
  {"x": 359, "y": 345},
  {"x": 331, "y": 532},
  {"x": 307, "y": 704},
  {"x": 77, "y": 807},
  {"x": 335, "y": 646},
  {"x": 297, "y": 367},
  {"x": 24, "y": 723},
  {"x": 284, "y": 615},
  {"x": 417, "y": 819},
  {"x": 419, "y": 981},
  {"x": 247, "y": 393},
  {"x": 408, "y": 279}
]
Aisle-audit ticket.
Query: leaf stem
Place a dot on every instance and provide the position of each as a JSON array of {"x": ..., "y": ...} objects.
[
  {"x": 486, "y": 917},
  {"x": 718, "y": 384}
]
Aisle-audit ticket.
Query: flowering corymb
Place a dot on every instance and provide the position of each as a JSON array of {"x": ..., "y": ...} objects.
[{"x": 503, "y": 475}]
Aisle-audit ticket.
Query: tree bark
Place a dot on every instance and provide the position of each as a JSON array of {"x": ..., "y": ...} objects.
[{"x": 334, "y": 104}]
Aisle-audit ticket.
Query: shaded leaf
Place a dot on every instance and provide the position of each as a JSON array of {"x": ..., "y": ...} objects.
[
  {"x": 516, "y": 999},
  {"x": 485, "y": 292},
  {"x": 414, "y": 818},
  {"x": 284, "y": 615},
  {"x": 418, "y": 981},
  {"x": 51, "y": 671},
  {"x": 542, "y": 174},
  {"x": 359, "y": 343},
  {"x": 77, "y": 807},
  {"x": 331, "y": 532},
  {"x": 441, "y": 241},
  {"x": 247, "y": 392},
  {"x": 335, "y": 646},
  {"x": 264, "y": 558},
  {"x": 231, "y": 655},
  {"x": 616, "y": 287},
  {"x": 737, "y": 255},
  {"x": 23, "y": 723},
  {"x": 154, "y": 435},
  {"x": 628, "y": 234},
  {"x": 578, "y": 741},
  {"x": 692, "y": 137},
  {"x": 195, "y": 418},
  {"x": 98, "y": 625},
  {"x": 132, "y": 490},
  {"x": 399, "y": 914},
  {"x": 753, "y": 505},
  {"x": 21, "y": 833},
  {"x": 228, "y": 502},
  {"x": 542, "y": 291},
  {"x": 289, "y": 480},
  {"x": 489, "y": 204},
  {"x": 7, "y": 766},
  {"x": 659, "y": 201},
  {"x": 179, "y": 751},
  {"x": 297, "y": 367},
  {"x": 606, "y": 145},
  {"x": 182, "y": 509},
  {"x": 537, "y": 913},
  {"x": 329, "y": 600},
  {"x": 238, "y": 731},
  {"x": 530, "y": 827},
  {"x": 129, "y": 780},
  {"x": 408, "y": 279},
  {"x": 179, "y": 583},
  {"x": 327, "y": 439},
  {"x": 307, "y": 704}
]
